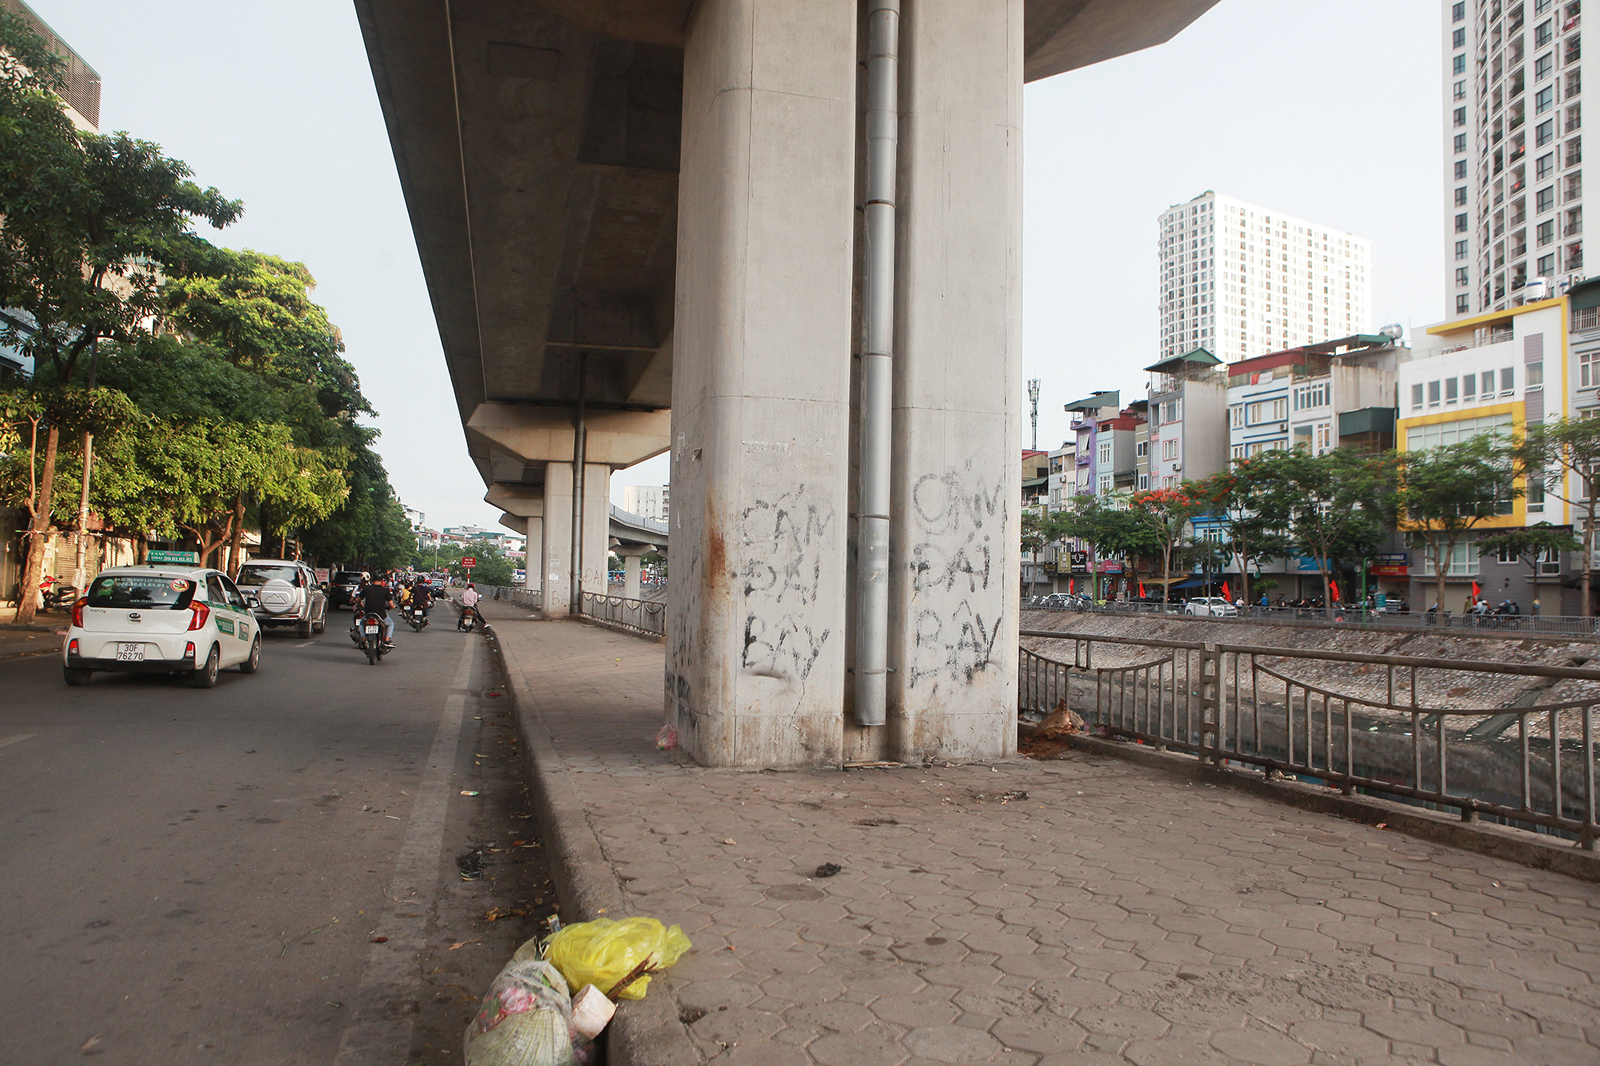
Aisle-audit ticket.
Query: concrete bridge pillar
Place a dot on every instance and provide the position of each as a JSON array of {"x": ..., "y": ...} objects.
[
  {"x": 631, "y": 554},
  {"x": 758, "y": 621},
  {"x": 761, "y": 382},
  {"x": 533, "y": 561},
  {"x": 556, "y": 539}
]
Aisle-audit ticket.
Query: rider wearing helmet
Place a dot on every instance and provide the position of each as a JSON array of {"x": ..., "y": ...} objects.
[{"x": 376, "y": 599}]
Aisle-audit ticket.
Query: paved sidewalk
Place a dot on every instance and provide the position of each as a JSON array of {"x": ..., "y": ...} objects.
[
  {"x": 1085, "y": 911},
  {"x": 30, "y": 640}
]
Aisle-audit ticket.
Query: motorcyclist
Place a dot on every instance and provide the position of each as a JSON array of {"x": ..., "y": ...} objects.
[
  {"x": 376, "y": 599},
  {"x": 469, "y": 600},
  {"x": 421, "y": 596}
]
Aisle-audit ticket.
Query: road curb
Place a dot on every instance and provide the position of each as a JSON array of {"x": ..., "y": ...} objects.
[
  {"x": 645, "y": 1032},
  {"x": 1485, "y": 838}
]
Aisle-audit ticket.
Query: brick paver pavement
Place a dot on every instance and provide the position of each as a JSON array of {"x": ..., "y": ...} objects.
[{"x": 1084, "y": 911}]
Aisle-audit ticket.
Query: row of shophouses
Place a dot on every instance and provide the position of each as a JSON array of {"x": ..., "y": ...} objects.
[{"x": 1497, "y": 371}]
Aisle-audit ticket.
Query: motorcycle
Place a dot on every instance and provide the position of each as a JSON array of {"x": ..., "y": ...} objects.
[
  {"x": 58, "y": 595},
  {"x": 415, "y": 617},
  {"x": 468, "y": 620},
  {"x": 367, "y": 633}
]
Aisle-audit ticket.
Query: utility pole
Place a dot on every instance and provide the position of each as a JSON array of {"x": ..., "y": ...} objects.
[{"x": 1033, "y": 398}]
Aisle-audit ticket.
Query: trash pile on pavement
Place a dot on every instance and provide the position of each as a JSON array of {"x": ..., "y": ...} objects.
[{"x": 529, "y": 1017}]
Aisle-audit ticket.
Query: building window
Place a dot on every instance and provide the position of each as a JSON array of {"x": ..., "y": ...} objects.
[
  {"x": 1459, "y": 64},
  {"x": 1458, "y": 38},
  {"x": 1488, "y": 384},
  {"x": 1169, "y": 450},
  {"x": 1588, "y": 363},
  {"x": 1508, "y": 381},
  {"x": 1433, "y": 394},
  {"x": 1546, "y": 265},
  {"x": 1236, "y": 416},
  {"x": 1422, "y": 437},
  {"x": 1461, "y": 249},
  {"x": 1463, "y": 304},
  {"x": 1545, "y": 200},
  {"x": 1469, "y": 384},
  {"x": 1238, "y": 452},
  {"x": 1105, "y": 485},
  {"x": 1545, "y": 166},
  {"x": 1542, "y": 34},
  {"x": 1267, "y": 411},
  {"x": 1458, "y": 12},
  {"x": 1460, "y": 117},
  {"x": 1574, "y": 117},
  {"x": 1544, "y": 65},
  {"x": 1463, "y": 276},
  {"x": 1543, "y": 133},
  {"x": 1144, "y": 482},
  {"x": 1535, "y": 376},
  {"x": 1449, "y": 390},
  {"x": 1461, "y": 196},
  {"x": 1543, "y": 100},
  {"x": 1461, "y": 222},
  {"x": 1141, "y": 449},
  {"x": 1104, "y": 458},
  {"x": 1545, "y": 232},
  {"x": 1416, "y": 397},
  {"x": 1461, "y": 170},
  {"x": 1463, "y": 560},
  {"x": 1323, "y": 437},
  {"x": 1461, "y": 143},
  {"x": 1309, "y": 396}
]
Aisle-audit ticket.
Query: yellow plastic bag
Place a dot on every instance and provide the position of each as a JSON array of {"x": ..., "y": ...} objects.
[{"x": 603, "y": 952}]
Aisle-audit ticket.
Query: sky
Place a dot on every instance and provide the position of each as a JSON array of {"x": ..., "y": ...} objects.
[{"x": 1329, "y": 112}]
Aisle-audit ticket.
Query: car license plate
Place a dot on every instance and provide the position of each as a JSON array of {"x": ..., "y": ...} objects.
[
  {"x": 372, "y": 629},
  {"x": 130, "y": 653}
]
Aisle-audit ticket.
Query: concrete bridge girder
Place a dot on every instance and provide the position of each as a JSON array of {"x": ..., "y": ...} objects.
[{"x": 656, "y": 199}]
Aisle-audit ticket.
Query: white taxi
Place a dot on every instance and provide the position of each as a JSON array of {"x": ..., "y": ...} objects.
[{"x": 157, "y": 619}]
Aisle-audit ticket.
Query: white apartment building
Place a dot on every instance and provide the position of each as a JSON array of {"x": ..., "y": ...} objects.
[
  {"x": 1241, "y": 280},
  {"x": 647, "y": 501},
  {"x": 1513, "y": 151}
]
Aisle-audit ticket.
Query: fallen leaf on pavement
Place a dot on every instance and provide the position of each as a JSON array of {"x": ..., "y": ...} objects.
[{"x": 464, "y": 943}]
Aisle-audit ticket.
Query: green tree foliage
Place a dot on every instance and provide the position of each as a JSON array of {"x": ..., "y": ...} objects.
[
  {"x": 1560, "y": 457},
  {"x": 1446, "y": 491},
  {"x": 1340, "y": 504},
  {"x": 1252, "y": 514},
  {"x": 1530, "y": 544}
]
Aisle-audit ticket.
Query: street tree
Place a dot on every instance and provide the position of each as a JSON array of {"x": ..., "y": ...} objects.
[
  {"x": 1339, "y": 504},
  {"x": 1445, "y": 492},
  {"x": 1560, "y": 457},
  {"x": 90, "y": 223},
  {"x": 1531, "y": 544},
  {"x": 1165, "y": 515},
  {"x": 1251, "y": 512}
]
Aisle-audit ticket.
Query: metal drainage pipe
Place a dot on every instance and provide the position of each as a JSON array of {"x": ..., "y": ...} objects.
[{"x": 877, "y": 363}]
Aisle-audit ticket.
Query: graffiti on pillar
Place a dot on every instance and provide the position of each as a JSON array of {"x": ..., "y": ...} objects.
[
  {"x": 960, "y": 525},
  {"x": 783, "y": 543},
  {"x": 783, "y": 649}
]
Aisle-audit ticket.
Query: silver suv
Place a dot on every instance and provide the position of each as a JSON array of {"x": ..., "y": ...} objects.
[
  {"x": 284, "y": 592},
  {"x": 1210, "y": 606}
]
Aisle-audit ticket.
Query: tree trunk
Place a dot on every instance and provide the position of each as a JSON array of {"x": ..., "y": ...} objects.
[
  {"x": 81, "y": 547},
  {"x": 1588, "y": 548},
  {"x": 38, "y": 531},
  {"x": 236, "y": 543}
]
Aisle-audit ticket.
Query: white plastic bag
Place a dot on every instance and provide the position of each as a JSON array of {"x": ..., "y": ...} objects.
[{"x": 525, "y": 1019}]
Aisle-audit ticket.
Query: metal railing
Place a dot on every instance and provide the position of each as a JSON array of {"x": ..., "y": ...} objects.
[
  {"x": 639, "y": 616},
  {"x": 529, "y": 598},
  {"x": 1352, "y": 617},
  {"x": 1389, "y": 725}
]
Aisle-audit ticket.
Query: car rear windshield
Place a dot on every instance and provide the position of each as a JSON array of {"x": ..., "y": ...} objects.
[
  {"x": 148, "y": 591},
  {"x": 260, "y": 574},
  {"x": 347, "y": 577}
]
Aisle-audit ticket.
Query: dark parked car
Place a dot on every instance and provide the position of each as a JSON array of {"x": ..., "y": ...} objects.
[{"x": 342, "y": 588}]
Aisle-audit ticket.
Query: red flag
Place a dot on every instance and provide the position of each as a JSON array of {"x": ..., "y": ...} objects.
[
  {"x": 1225, "y": 593},
  {"x": 1333, "y": 588},
  {"x": 1072, "y": 585},
  {"x": 1476, "y": 591},
  {"x": 1141, "y": 590}
]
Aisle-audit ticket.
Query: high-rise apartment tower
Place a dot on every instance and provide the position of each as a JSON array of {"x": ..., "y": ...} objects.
[
  {"x": 1240, "y": 280},
  {"x": 1513, "y": 132}
]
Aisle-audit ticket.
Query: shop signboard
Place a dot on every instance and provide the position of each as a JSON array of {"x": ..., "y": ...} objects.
[
  {"x": 1393, "y": 564},
  {"x": 1080, "y": 562}
]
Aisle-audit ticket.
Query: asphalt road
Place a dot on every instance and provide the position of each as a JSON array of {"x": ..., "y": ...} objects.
[{"x": 264, "y": 873}]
